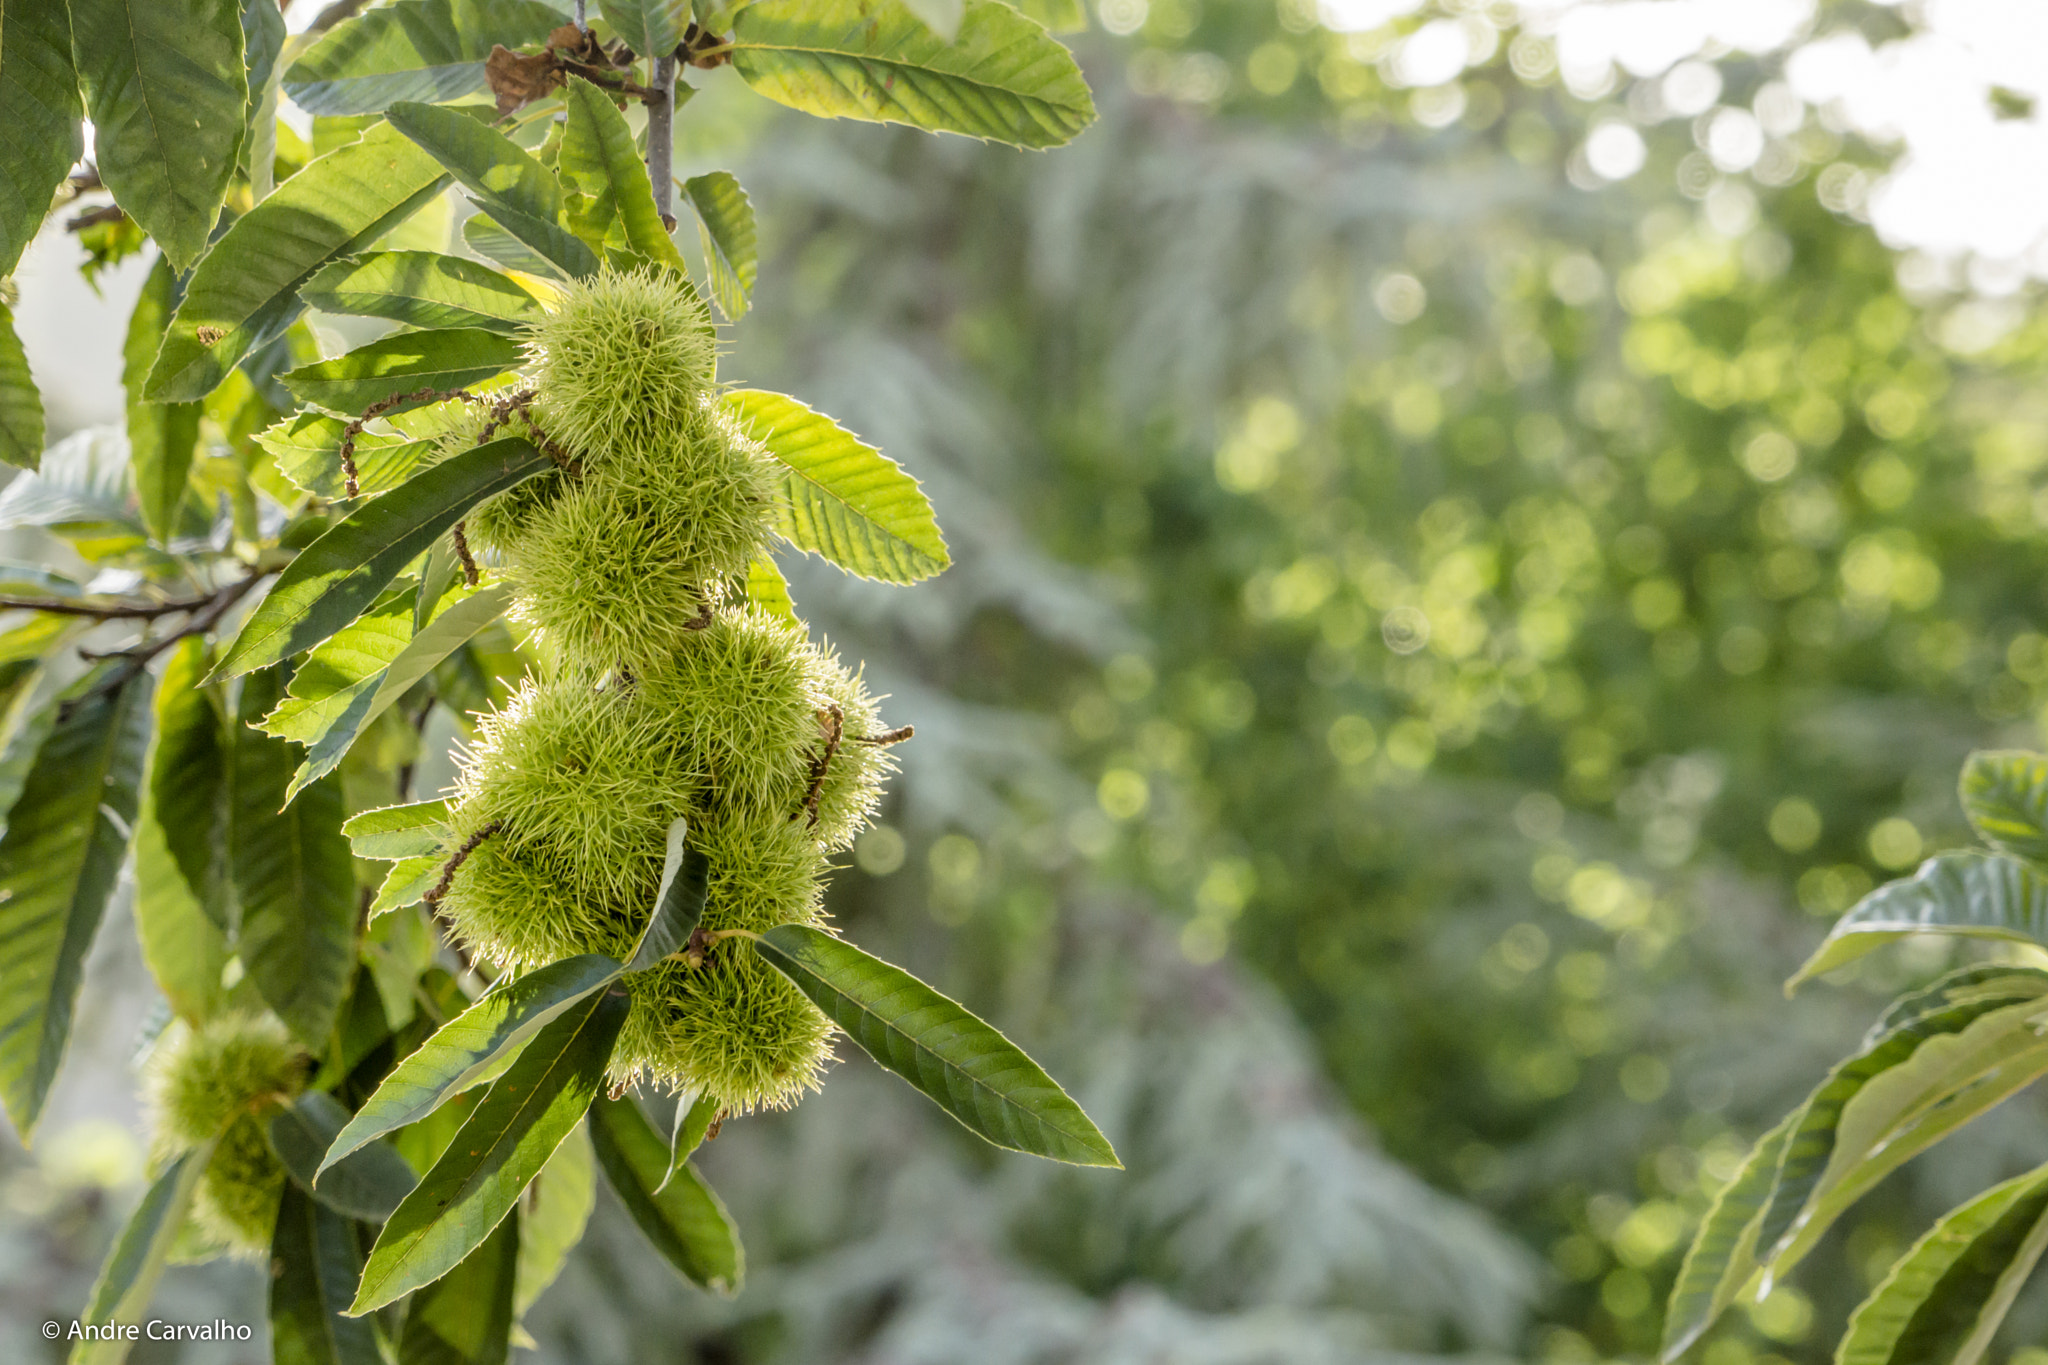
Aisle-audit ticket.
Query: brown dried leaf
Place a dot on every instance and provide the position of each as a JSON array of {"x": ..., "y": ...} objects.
[{"x": 518, "y": 79}]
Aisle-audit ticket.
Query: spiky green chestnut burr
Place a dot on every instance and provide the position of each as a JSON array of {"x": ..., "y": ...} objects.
[{"x": 220, "y": 1080}]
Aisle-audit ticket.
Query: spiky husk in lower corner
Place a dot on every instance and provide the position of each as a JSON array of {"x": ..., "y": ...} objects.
[{"x": 221, "y": 1080}]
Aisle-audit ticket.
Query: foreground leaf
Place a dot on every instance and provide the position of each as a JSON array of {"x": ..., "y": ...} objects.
[
  {"x": 138, "y": 60},
  {"x": 407, "y": 884},
  {"x": 293, "y": 876},
  {"x": 471, "y": 1047},
  {"x": 1723, "y": 1255},
  {"x": 307, "y": 447},
  {"x": 162, "y": 437},
  {"x": 694, "y": 1120},
  {"x": 424, "y": 289},
  {"x": 40, "y": 109},
  {"x": 366, "y": 1185},
  {"x": 431, "y": 50},
  {"x": 431, "y": 364},
  {"x": 314, "y": 1262},
  {"x": 503, "y": 177},
  {"x": 554, "y": 1216},
  {"x": 21, "y": 404},
  {"x": 1970, "y": 894},
  {"x": 245, "y": 293},
  {"x": 399, "y": 831},
  {"x": 465, "y": 1318},
  {"x": 1945, "y": 1298},
  {"x": 59, "y": 861},
  {"x": 600, "y": 160},
  {"x": 128, "y": 1279},
  {"x": 842, "y": 498},
  {"x": 503, "y": 1145},
  {"x": 968, "y": 1068},
  {"x": 2005, "y": 794},
  {"x": 340, "y": 574},
  {"x": 685, "y": 1221},
  {"x": 725, "y": 221},
  {"x": 1002, "y": 77},
  {"x": 678, "y": 903}
]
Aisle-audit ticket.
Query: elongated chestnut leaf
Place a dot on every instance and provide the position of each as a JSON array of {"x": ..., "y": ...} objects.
[
  {"x": 966, "y": 1066},
  {"x": 681, "y": 1216},
  {"x": 678, "y": 904},
  {"x": 408, "y": 883},
  {"x": 466, "y": 1316},
  {"x": 59, "y": 860},
  {"x": 431, "y": 50},
  {"x": 1723, "y": 1255},
  {"x": 136, "y": 1262},
  {"x": 314, "y": 1265},
  {"x": 554, "y": 1215},
  {"x": 367, "y": 1184},
  {"x": 423, "y": 289},
  {"x": 41, "y": 111},
  {"x": 507, "y": 182},
  {"x": 842, "y": 498},
  {"x": 694, "y": 1118},
  {"x": 390, "y": 368},
  {"x": 21, "y": 404},
  {"x": 412, "y": 831},
  {"x": 340, "y": 574},
  {"x": 725, "y": 222},
  {"x": 307, "y": 447},
  {"x": 599, "y": 158},
  {"x": 1968, "y": 894},
  {"x": 502, "y": 1146},
  {"x": 162, "y": 437},
  {"x": 469, "y": 1048}
]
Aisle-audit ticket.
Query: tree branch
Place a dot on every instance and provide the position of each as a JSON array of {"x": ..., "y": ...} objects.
[{"x": 661, "y": 137}]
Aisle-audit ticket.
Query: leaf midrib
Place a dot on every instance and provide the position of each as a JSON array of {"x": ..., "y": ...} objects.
[{"x": 898, "y": 64}]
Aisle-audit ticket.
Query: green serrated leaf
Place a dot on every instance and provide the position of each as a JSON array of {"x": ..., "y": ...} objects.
[
  {"x": 1058, "y": 16},
  {"x": 128, "y": 1279},
  {"x": 21, "y": 404},
  {"x": 2005, "y": 794},
  {"x": 343, "y": 670},
  {"x": 1002, "y": 77},
  {"x": 693, "y": 1122},
  {"x": 465, "y": 1318},
  {"x": 340, "y": 574},
  {"x": 842, "y": 498},
  {"x": 600, "y": 161},
  {"x": 429, "y": 50},
  {"x": 525, "y": 1116},
  {"x": 307, "y": 448},
  {"x": 554, "y": 1217},
  {"x": 685, "y": 1221},
  {"x": 504, "y": 179},
  {"x": 162, "y": 437},
  {"x": 485, "y": 237},
  {"x": 244, "y": 294},
  {"x": 411, "y": 831},
  {"x": 137, "y": 61},
  {"x": 314, "y": 1262},
  {"x": 471, "y": 1047},
  {"x": 431, "y": 364},
  {"x": 652, "y": 28},
  {"x": 263, "y": 39},
  {"x": 768, "y": 589},
  {"x": 725, "y": 222},
  {"x": 293, "y": 877},
  {"x": 1723, "y": 1255},
  {"x": 964, "y": 1065},
  {"x": 40, "y": 108},
  {"x": 1944, "y": 1299},
  {"x": 424, "y": 289},
  {"x": 678, "y": 904},
  {"x": 366, "y": 1185},
  {"x": 1970, "y": 894},
  {"x": 407, "y": 884},
  {"x": 59, "y": 860}
]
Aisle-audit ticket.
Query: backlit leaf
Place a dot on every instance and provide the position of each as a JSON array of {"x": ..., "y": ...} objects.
[
  {"x": 725, "y": 222},
  {"x": 431, "y": 50},
  {"x": 1970, "y": 894},
  {"x": 423, "y": 289},
  {"x": 41, "y": 111}
]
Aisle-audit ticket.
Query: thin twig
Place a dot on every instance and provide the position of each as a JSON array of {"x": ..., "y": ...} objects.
[
  {"x": 206, "y": 613},
  {"x": 110, "y": 213},
  {"x": 455, "y": 863},
  {"x": 111, "y": 611}
]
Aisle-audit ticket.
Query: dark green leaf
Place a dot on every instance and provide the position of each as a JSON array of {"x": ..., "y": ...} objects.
[
  {"x": 554, "y": 1215},
  {"x": 504, "y": 1144},
  {"x": 293, "y": 876},
  {"x": 21, "y": 404},
  {"x": 59, "y": 859},
  {"x": 1002, "y": 77},
  {"x": 167, "y": 90},
  {"x": 1952, "y": 893},
  {"x": 678, "y": 904},
  {"x": 162, "y": 437},
  {"x": 465, "y": 1318},
  {"x": 340, "y": 574},
  {"x": 1945, "y": 1298},
  {"x": 505, "y": 180},
  {"x": 423, "y": 289},
  {"x": 685, "y": 1221},
  {"x": 128, "y": 1279},
  {"x": 968, "y": 1068},
  {"x": 314, "y": 1262},
  {"x": 40, "y": 109},
  {"x": 2005, "y": 794},
  {"x": 188, "y": 775},
  {"x": 474, "y": 1045},
  {"x": 725, "y": 221},
  {"x": 399, "y": 831},
  {"x": 245, "y": 293},
  {"x": 263, "y": 40},
  {"x": 367, "y": 1184},
  {"x": 652, "y": 28},
  {"x": 432, "y": 364},
  {"x": 842, "y": 498},
  {"x": 1723, "y": 1255},
  {"x": 186, "y": 951},
  {"x": 600, "y": 160},
  {"x": 430, "y": 50}
]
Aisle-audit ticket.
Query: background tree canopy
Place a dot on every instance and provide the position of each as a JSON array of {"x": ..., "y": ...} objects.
[{"x": 1477, "y": 533}]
